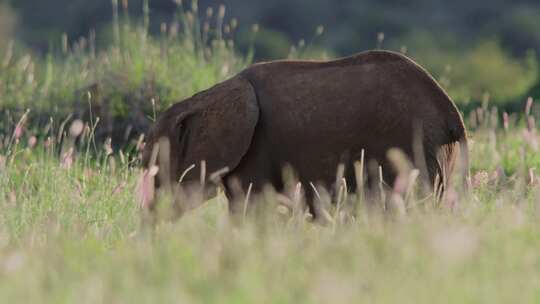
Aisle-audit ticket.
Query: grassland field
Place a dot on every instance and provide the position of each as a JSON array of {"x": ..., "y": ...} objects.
[{"x": 71, "y": 230}]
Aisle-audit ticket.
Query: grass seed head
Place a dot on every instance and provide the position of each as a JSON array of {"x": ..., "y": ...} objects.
[
  {"x": 528, "y": 106},
  {"x": 76, "y": 128},
  {"x": 221, "y": 11}
]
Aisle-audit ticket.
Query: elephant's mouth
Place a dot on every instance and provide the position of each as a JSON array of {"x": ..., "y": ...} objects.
[
  {"x": 204, "y": 188},
  {"x": 186, "y": 194},
  {"x": 146, "y": 188}
]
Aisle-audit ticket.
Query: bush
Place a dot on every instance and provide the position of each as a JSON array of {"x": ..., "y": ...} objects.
[{"x": 470, "y": 74}]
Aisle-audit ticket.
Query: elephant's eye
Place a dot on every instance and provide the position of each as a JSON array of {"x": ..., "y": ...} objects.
[
  {"x": 183, "y": 135},
  {"x": 180, "y": 129},
  {"x": 182, "y": 132}
]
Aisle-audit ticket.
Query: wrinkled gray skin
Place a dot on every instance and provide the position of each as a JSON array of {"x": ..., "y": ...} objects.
[{"x": 313, "y": 115}]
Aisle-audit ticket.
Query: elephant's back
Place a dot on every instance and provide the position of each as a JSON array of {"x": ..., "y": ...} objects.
[
  {"x": 319, "y": 111},
  {"x": 372, "y": 89},
  {"x": 365, "y": 72}
]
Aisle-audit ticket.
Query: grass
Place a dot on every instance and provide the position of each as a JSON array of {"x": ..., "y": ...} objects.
[{"x": 71, "y": 231}]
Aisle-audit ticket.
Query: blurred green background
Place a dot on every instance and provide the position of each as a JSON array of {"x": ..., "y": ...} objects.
[{"x": 482, "y": 46}]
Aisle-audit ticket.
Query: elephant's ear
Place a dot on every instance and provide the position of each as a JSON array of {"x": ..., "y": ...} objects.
[{"x": 221, "y": 128}]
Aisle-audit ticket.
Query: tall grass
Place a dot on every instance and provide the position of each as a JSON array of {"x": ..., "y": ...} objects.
[
  {"x": 126, "y": 80},
  {"x": 71, "y": 231}
]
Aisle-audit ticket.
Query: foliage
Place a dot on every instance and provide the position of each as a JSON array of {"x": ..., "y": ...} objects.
[
  {"x": 470, "y": 74},
  {"x": 126, "y": 83}
]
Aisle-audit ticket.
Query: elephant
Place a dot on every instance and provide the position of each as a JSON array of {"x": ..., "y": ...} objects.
[{"x": 311, "y": 116}]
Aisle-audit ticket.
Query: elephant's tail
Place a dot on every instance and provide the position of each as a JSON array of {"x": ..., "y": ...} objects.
[{"x": 453, "y": 158}]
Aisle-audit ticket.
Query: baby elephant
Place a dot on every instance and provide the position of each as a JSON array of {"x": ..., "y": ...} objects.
[{"x": 311, "y": 116}]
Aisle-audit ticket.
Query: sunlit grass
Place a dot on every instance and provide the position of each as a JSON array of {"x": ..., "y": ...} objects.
[{"x": 74, "y": 233}]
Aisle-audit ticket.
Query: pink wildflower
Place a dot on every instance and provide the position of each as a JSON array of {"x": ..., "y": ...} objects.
[
  {"x": 32, "y": 141},
  {"x": 17, "y": 134}
]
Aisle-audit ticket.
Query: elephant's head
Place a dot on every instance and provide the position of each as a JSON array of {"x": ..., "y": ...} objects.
[{"x": 207, "y": 133}]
